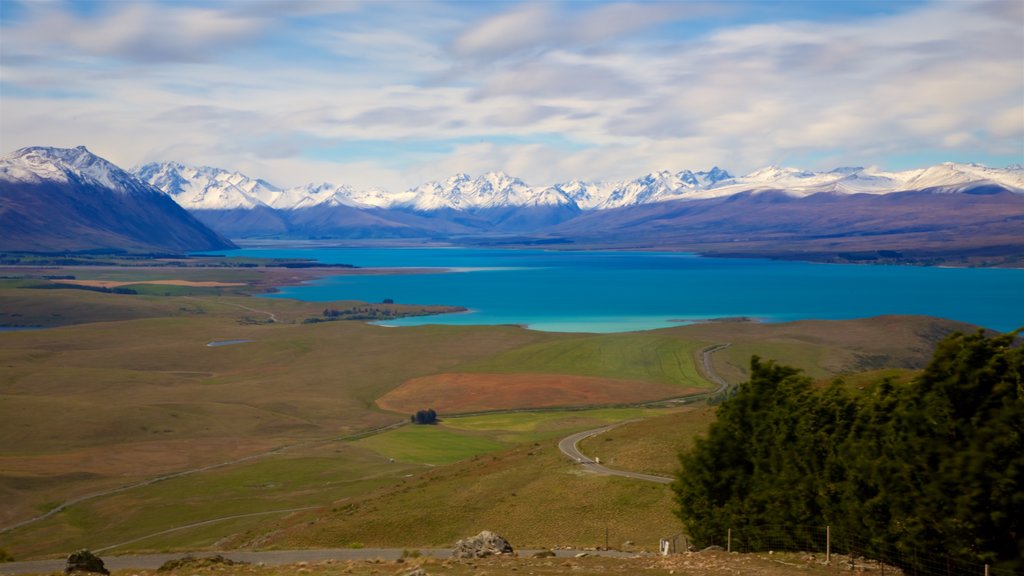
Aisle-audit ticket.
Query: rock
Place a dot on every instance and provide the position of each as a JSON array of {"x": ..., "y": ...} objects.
[
  {"x": 713, "y": 549},
  {"x": 582, "y": 555},
  {"x": 416, "y": 572},
  {"x": 85, "y": 561},
  {"x": 543, "y": 554},
  {"x": 486, "y": 543},
  {"x": 192, "y": 563}
]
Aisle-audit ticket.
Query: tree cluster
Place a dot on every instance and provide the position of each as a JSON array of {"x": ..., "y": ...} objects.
[
  {"x": 936, "y": 464},
  {"x": 424, "y": 417}
]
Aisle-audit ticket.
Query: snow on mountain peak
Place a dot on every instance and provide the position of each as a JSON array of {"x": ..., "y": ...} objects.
[
  {"x": 776, "y": 173},
  {"x": 37, "y": 163},
  {"x": 212, "y": 188}
]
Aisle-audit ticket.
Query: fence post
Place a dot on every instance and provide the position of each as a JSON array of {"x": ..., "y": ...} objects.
[
  {"x": 828, "y": 544},
  {"x": 728, "y": 541}
]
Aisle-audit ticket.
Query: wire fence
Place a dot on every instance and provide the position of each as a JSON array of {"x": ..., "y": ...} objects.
[{"x": 850, "y": 553}]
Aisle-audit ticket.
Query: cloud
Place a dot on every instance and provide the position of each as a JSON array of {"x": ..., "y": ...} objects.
[
  {"x": 626, "y": 88},
  {"x": 610, "y": 21},
  {"x": 397, "y": 116},
  {"x": 532, "y": 29},
  {"x": 552, "y": 78},
  {"x": 136, "y": 31},
  {"x": 523, "y": 28}
]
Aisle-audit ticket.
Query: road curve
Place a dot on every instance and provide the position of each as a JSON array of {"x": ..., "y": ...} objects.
[
  {"x": 569, "y": 447},
  {"x": 570, "y": 444},
  {"x": 709, "y": 368}
]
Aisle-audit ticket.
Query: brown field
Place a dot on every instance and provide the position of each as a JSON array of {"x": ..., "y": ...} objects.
[
  {"x": 459, "y": 393},
  {"x": 117, "y": 284}
]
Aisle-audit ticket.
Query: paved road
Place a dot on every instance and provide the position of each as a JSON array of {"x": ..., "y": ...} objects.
[
  {"x": 709, "y": 368},
  {"x": 569, "y": 447},
  {"x": 269, "y": 557}
]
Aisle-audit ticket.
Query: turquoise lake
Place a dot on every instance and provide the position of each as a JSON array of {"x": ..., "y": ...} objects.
[{"x": 623, "y": 291}]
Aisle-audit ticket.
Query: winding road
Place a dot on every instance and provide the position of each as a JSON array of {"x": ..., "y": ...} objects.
[
  {"x": 569, "y": 447},
  {"x": 709, "y": 368},
  {"x": 570, "y": 444}
]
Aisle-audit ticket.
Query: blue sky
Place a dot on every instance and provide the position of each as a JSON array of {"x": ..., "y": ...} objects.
[{"x": 391, "y": 94}]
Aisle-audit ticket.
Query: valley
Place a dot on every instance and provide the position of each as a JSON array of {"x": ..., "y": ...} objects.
[{"x": 121, "y": 390}]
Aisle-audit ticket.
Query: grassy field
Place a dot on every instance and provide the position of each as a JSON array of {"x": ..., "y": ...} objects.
[
  {"x": 523, "y": 427},
  {"x": 312, "y": 474},
  {"x": 302, "y": 477},
  {"x": 650, "y": 445},
  {"x": 92, "y": 406},
  {"x": 428, "y": 444},
  {"x": 531, "y": 494},
  {"x": 651, "y": 357},
  {"x": 824, "y": 349},
  {"x": 459, "y": 438},
  {"x": 124, "y": 389},
  {"x": 466, "y": 393}
]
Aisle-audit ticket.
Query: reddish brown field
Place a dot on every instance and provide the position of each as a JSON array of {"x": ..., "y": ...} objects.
[{"x": 460, "y": 393}]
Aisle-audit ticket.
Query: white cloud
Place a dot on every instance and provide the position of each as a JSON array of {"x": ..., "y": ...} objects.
[
  {"x": 136, "y": 31},
  {"x": 275, "y": 94},
  {"x": 523, "y": 28}
]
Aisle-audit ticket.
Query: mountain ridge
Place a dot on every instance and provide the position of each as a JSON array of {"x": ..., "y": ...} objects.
[
  {"x": 60, "y": 199},
  {"x": 209, "y": 188},
  {"x": 962, "y": 213}
]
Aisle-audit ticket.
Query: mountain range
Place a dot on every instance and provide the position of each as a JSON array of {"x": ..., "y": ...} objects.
[
  {"x": 59, "y": 199},
  {"x": 206, "y": 188},
  {"x": 959, "y": 212}
]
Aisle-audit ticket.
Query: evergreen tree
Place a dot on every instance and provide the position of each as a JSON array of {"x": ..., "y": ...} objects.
[{"x": 937, "y": 464}]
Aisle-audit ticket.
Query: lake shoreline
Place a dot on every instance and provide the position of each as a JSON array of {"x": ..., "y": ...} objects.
[
  {"x": 935, "y": 258},
  {"x": 617, "y": 291}
]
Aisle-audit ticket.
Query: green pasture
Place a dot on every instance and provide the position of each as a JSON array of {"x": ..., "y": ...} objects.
[
  {"x": 312, "y": 477},
  {"x": 650, "y": 445},
  {"x": 521, "y": 427},
  {"x": 807, "y": 356},
  {"x": 531, "y": 494},
  {"x": 429, "y": 444},
  {"x": 458, "y": 438},
  {"x": 635, "y": 356}
]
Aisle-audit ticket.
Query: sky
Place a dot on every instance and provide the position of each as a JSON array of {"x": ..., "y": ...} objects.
[{"x": 393, "y": 94}]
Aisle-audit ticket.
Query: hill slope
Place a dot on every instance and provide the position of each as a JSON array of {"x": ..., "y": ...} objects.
[{"x": 55, "y": 199}]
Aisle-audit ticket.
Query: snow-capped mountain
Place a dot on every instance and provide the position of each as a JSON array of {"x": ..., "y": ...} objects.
[
  {"x": 492, "y": 190},
  {"x": 946, "y": 177},
  {"x": 654, "y": 187},
  {"x": 39, "y": 164},
  {"x": 207, "y": 188},
  {"x": 55, "y": 199},
  {"x": 217, "y": 189}
]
